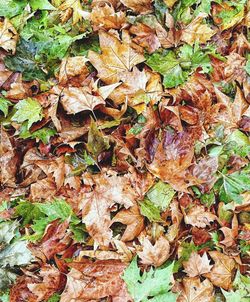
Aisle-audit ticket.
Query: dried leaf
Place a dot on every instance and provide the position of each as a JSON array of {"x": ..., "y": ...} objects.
[
  {"x": 198, "y": 216},
  {"x": 8, "y": 36},
  {"x": 197, "y": 265}
]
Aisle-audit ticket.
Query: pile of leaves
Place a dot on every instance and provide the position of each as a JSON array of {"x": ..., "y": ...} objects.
[{"x": 124, "y": 150}]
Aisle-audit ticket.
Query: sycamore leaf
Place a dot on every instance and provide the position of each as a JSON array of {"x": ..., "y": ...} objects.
[
  {"x": 155, "y": 254},
  {"x": 97, "y": 142},
  {"x": 222, "y": 271},
  {"x": 134, "y": 221},
  {"x": 11, "y": 8},
  {"x": 116, "y": 58},
  {"x": 197, "y": 265},
  {"x": 93, "y": 281},
  {"x": 96, "y": 204},
  {"x": 75, "y": 5},
  {"x": 149, "y": 210},
  {"x": 195, "y": 291},
  {"x": 8, "y": 36},
  {"x": 161, "y": 195},
  {"x": 8, "y": 231},
  {"x": 41, "y": 4},
  {"x": 28, "y": 110},
  {"x": 198, "y": 216},
  {"x": 197, "y": 31},
  {"x": 232, "y": 185},
  {"x": 154, "y": 283},
  {"x": 142, "y": 6},
  {"x": 4, "y": 106}
]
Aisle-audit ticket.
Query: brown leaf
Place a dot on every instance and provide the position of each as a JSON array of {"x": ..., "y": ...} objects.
[
  {"x": 52, "y": 282},
  {"x": 134, "y": 221},
  {"x": 116, "y": 58},
  {"x": 8, "y": 160},
  {"x": 8, "y": 36},
  {"x": 197, "y": 265},
  {"x": 96, "y": 204},
  {"x": 172, "y": 158},
  {"x": 155, "y": 254},
  {"x": 197, "y": 31},
  {"x": 141, "y": 6},
  {"x": 198, "y": 216},
  {"x": 89, "y": 281},
  {"x": 230, "y": 235},
  {"x": 196, "y": 291},
  {"x": 72, "y": 67},
  {"x": 222, "y": 272},
  {"x": 103, "y": 16}
]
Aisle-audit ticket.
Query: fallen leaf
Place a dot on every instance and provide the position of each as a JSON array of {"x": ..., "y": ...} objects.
[
  {"x": 197, "y": 265},
  {"x": 197, "y": 31},
  {"x": 222, "y": 271},
  {"x": 91, "y": 281},
  {"x": 96, "y": 204},
  {"x": 198, "y": 216},
  {"x": 155, "y": 254},
  {"x": 142, "y": 6},
  {"x": 8, "y": 36},
  {"x": 115, "y": 59},
  {"x": 194, "y": 291},
  {"x": 134, "y": 221}
]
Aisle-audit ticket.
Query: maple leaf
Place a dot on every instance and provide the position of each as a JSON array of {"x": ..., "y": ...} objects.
[
  {"x": 155, "y": 254},
  {"x": 76, "y": 7},
  {"x": 154, "y": 283},
  {"x": 198, "y": 216},
  {"x": 197, "y": 265},
  {"x": 222, "y": 271},
  {"x": 28, "y": 110},
  {"x": 95, "y": 280},
  {"x": 8, "y": 36},
  {"x": 194, "y": 291},
  {"x": 230, "y": 235},
  {"x": 134, "y": 221},
  {"x": 115, "y": 59},
  {"x": 197, "y": 31},
  {"x": 96, "y": 204}
]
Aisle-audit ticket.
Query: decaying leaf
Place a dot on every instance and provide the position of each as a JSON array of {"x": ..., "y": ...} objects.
[
  {"x": 197, "y": 265},
  {"x": 198, "y": 216},
  {"x": 8, "y": 36}
]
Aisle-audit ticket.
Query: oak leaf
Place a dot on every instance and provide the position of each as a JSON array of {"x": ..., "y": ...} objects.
[
  {"x": 222, "y": 272},
  {"x": 8, "y": 36},
  {"x": 197, "y": 265},
  {"x": 116, "y": 58},
  {"x": 195, "y": 291},
  {"x": 134, "y": 221},
  {"x": 155, "y": 254}
]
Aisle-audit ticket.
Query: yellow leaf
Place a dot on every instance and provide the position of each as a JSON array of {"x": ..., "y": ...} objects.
[{"x": 8, "y": 36}]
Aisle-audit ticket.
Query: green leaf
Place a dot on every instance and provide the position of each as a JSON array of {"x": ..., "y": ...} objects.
[
  {"x": 41, "y": 4},
  {"x": 149, "y": 210},
  {"x": 154, "y": 285},
  {"x": 43, "y": 134},
  {"x": 28, "y": 211},
  {"x": 28, "y": 110},
  {"x": 4, "y": 297},
  {"x": 247, "y": 67},
  {"x": 208, "y": 199},
  {"x": 232, "y": 185},
  {"x": 161, "y": 195},
  {"x": 8, "y": 231},
  {"x": 97, "y": 142},
  {"x": 11, "y": 8},
  {"x": 239, "y": 138},
  {"x": 160, "y": 9},
  {"x": 4, "y": 106},
  {"x": 54, "y": 298},
  {"x": 58, "y": 209},
  {"x": 7, "y": 277},
  {"x": 25, "y": 61},
  {"x": 169, "y": 66}
]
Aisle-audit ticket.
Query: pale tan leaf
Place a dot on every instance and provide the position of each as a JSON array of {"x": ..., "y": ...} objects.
[
  {"x": 8, "y": 36},
  {"x": 196, "y": 291},
  {"x": 222, "y": 272},
  {"x": 155, "y": 254},
  {"x": 198, "y": 216},
  {"x": 139, "y": 6},
  {"x": 197, "y": 265}
]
